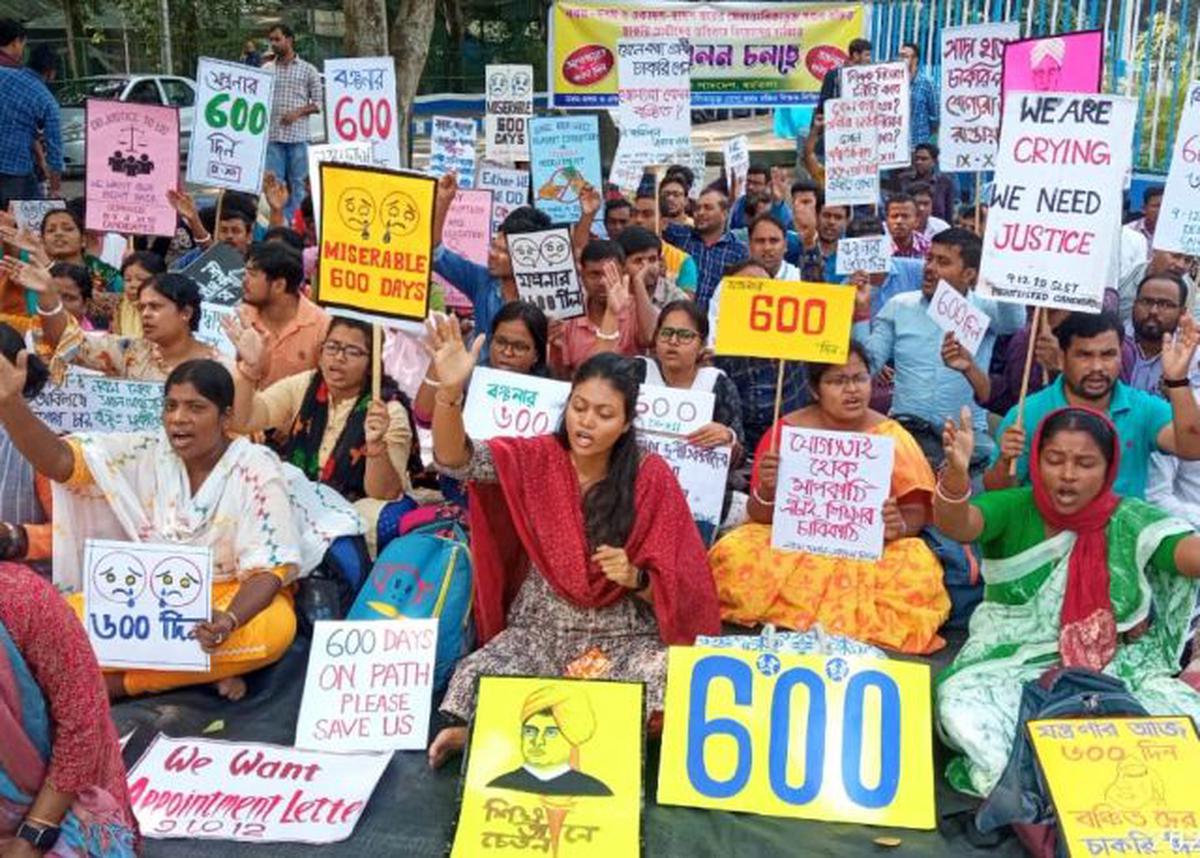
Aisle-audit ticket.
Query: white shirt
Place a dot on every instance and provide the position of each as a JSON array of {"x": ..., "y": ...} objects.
[{"x": 933, "y": 226}]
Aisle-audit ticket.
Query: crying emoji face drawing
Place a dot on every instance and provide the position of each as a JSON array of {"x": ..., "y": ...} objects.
[
  {"x": 120, "y": 578},
  {"x": 356, "y": 208},
  {"x": 1135, "y": 786},
  {"x": 175, "y": 582},
  {"x": 399, "y": 215},
  {"x": 524, "y": 252}
]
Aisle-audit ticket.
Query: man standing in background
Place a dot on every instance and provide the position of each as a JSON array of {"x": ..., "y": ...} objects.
[
  {"x": 297, "y": 95},
  {"x": 26, "y": 108},
  {"x": 922, "y": 100}
]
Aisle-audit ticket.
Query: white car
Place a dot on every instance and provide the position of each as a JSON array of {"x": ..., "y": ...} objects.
[{"x": 141, "y": 89}]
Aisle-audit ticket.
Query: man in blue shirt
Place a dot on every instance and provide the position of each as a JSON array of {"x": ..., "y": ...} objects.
[
  {"x": 1091, "y": 346},
  {"x": 26, "y": 108},
  {"x": 759, "y": 181},
  {"x": 935, "y": 375},
  {"x": 923, "y": 110},
  {"x": 708, "y": 243}
]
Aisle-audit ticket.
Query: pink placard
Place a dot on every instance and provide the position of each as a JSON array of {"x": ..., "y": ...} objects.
[
  {"x": 132, "y": 160},
  {"x": 468, "y": 231},
  {"x": 1068, "y": 62}
]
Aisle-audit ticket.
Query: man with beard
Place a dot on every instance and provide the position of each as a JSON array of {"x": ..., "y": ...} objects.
[
  {"x": 1091, "y": 347},
  {"x": 1159, "y": 304},
  {"x": 709, "y": 243}
]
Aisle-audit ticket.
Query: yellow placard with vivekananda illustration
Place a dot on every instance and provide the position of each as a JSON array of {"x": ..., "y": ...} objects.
[
  {"x": 836, "y": 738},
  {"x": 554, "y": 767},
  {"x": 376, "y": 248},
  {"x": 784, "y": 319},
  {"x": 1122, "y": 786}
]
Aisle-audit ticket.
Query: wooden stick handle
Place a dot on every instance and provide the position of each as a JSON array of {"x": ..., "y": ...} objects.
[
  {"x": 1034, "y": 325},
  {"x": 778, "y": 406},
  {"x": 376, "y": 361}
]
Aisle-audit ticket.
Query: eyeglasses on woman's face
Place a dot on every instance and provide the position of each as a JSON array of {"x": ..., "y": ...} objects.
[
  {"x": 502, "y": 343},
  {"x": 679, "y": 335},
  {"x": 333, "y": 348},
  {"x": 842, "y": 380}
]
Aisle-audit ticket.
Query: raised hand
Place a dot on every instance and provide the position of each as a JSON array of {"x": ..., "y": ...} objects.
[
  {"x": 23, "y": 239},
  {"x": 616, "y": 287},
  {"x": 958, "y": 442},
  {"x": 768, "y": 476},
  {"x": 450, "y": 357},
  {"x": 376, "y": 423},
  {"x": 955, "y": 354},
  {"x": 1179, "y": 350},
  {"x": 35, "y": 278},
  {"x": 1047, "y": 351},
  {"x": 275, "y": 191},
  {"x": 184, "y": 204},
  {"x": 249, "y": 343},
  {"x": 447, "y": 190},
  {"x": 1012, "y": 443},
  {"x": 590, "y": 200}
]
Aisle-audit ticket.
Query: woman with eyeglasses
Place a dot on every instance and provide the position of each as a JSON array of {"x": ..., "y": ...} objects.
[
  {"x": 326, "y": 422},
  {"x": 898, "y": 601}
]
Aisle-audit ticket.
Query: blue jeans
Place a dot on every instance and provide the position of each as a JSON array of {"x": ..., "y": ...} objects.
[{"x": 289, "y": 163}]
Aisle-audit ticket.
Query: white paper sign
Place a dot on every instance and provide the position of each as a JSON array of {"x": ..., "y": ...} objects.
[
  {"x": 1055, "y": 214},
  {"x": 142, "y": 602},
  {"x": 210, "y": 331},
  {"x": 736, "y": 153},
  {"x": 509, "y": 90},
  {"x": 543, "y": 266},
  {"x": 231, "y": 122},
  {"x": 503, "y": 404},
  {"x": 830, "y": 494},
  {"x": 360, "y": 99},
  {"x": 871, "y": 254},
  {"x": 696, "y": 161},
  {"x": 96, "y": 403},
  {"x": 29, "y": 214},
  {"x": 886, "y": 84},
  {"x": 204, "y": 789},
  {"x": 1178, "y": 228},
  {"x": 953, "y": 313},
  {"x": 701, "y": 471},
  {"x": 369, "y": 686},
  {"x": 655, "y": 96},
  {"x": 628, "y": 168},
  {"x": 972, "y": 60},
  {"x": 851, "y": 153},
  {"x": 333, "y": 153},
  {"x": 452, "y": 149},
  {"x": 510, "y": 190},
  {"x": 673, "y": 411}
]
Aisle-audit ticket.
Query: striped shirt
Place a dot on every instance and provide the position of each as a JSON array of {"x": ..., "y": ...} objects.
[
  {"x": 18, "y": 499},
  {"x": 297, "y": 84}
]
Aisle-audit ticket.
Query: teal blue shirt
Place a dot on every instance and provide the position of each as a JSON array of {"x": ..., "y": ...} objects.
[{"x": 1138, "y": 416}]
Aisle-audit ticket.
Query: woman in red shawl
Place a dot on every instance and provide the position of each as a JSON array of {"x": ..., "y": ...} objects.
[{"x": 587, "y": 561}]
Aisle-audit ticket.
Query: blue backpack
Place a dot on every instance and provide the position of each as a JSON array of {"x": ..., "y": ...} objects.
[{"x": 425, "y": 573}]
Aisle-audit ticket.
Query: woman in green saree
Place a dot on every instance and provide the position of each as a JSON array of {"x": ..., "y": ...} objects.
[{"x": 1074, "y": 576}]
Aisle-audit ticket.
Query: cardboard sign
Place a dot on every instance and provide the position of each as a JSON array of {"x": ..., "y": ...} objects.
[
  {"x": 503, "y": 404},
  {"x": 830, "y": 492},
  {"x": 452, "y": 149},
  {"x": 953, "y": 313},
  {"x": 369, "y": 686},
  {"x": 871, "y": 254},
  {"x": 376, "y": 242},
  {"x": 1122, "y": 786},
  {"x": 231, "y": 121},
  {"x": 886, "y": 85},
  {"x": 702, "y": 473},
  {"x": 1068, "y": 62},
  {"x": 543, "y": 265},
  {"x": 854, "y": 745},
  {"x": 218, "y": 272},
  {"x": 1178, "y": 228},
  {"x": 673, "y": 411},
  {"x": 851, "y": 153},
  {"x": 509, "y": 91},
  {"x": 970, "y": 94},
  {"x": 143, "y": 601},
  {"x": 553, "y": 766},
  {"x": 95, "y": 403},
  {"x": 360, "y": 94},
  {"x": 204, "y": 789},
  {"x": 468, "y": 227},
  {"x": 736, "y": 155},
  {"x": 333, "y": 153},
  {"x": 565, "y": 153},
  {"x": 1055, "y": 212},
  {"x": 510, "y": 190},
  {"x": 767, "y": 318},
  {"x": 743, "y": 54},
  {"x": 655, "y": 112},
  {"x": 132, "y": 160},
  {"x": 29, "y": 214}
]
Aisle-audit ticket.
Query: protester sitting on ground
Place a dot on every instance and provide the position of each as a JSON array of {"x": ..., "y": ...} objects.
[
  {"x": 927, "y": 224},
  {"x": 819, "y": 263},
  {"x": 238, "y": 216},
  {"x": 814, "y": 147},
  {"x": 137, "y": 270},
  {"x": 487, "y": 287},
  {"x": 586, "y": 559},
  {"x": 750, "y": 206},
  {"x": 897, "y": 601},
  {"x": 943, "y": 188},
  {"x": 1161, "y": 301},
  {"x": 62, "y": 779},
  {"x": 709, "y": 243},
  {"x": 619, "y": 315},
  {"x": 1151, "y": 206},
  {"x": 324, "y": 420},
  {"x": 1075, "y": 575},
  {"x": 1161, "y": 262},
  {"x": 903, "y": 275},
  {"x": 760, "y": 182},
  {"x": 24, "y": 496},
  {"x": 673, "y": 201},
  {"x": 803, "y": 252},
  {"x": 170, "y": 306},
  {"x": 768, "y": 245},
  {"x": 973, "y": 218},
  {"x": 617, "y": 215},
  {"x": 187, "y": 483},
  {"x": 74, "y": 286},
  {"x": 644, "y": 265},
  {"x": 286, "y": 235},
  {"x": 679, "y": 266},
  {"x": 1091, "y": 347},
  {"x": 907, "y": 242}
]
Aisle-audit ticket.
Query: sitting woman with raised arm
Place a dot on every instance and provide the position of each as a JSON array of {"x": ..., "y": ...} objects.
[
  {"x": 190, "y": 484},
  {"x": 1074, "y": 576},
  {"x": 898, "y": 601},
  {"x": 586, "y": 560}
]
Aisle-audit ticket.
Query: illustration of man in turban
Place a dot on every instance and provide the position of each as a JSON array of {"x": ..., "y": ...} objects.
[
  {"x": 1046, "y": 62},
  {"x": 555, "y": 721}
]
